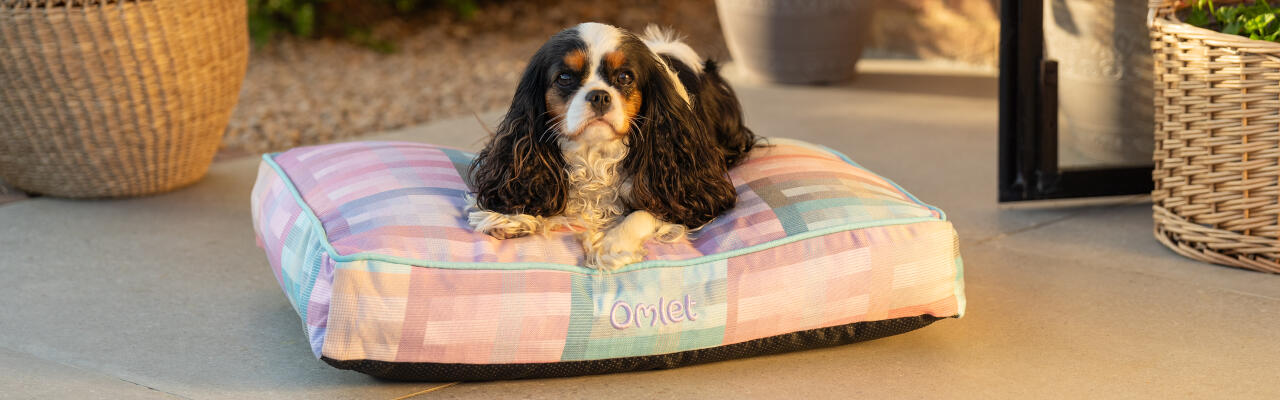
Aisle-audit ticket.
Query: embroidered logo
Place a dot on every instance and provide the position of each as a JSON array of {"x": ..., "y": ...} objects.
[{"x": 624, "y": 315}]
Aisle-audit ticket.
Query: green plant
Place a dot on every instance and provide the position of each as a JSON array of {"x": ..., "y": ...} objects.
[
  {"x": 1256, "y": 21},
  {"x": 349, "y": 18}
]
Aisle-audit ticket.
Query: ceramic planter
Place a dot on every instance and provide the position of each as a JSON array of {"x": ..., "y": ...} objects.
[{"x": 795, "y": 41}]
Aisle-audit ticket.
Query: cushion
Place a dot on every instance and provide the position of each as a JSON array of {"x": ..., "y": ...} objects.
[{"x": 370, "y": 242}]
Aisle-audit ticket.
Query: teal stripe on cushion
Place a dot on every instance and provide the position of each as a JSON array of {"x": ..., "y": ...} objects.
[
  {"x": 581, "y": 317},
  {"x": 314, "y": 260},
  {"x": 301, "y": 258},
  {"x": 702, "y": 338},
  {"x": 792, "y": 220},
  {"x": 602, "y": 322},
  {"x": 461, "y": 162},
  {"x": 291, "y": 265}
]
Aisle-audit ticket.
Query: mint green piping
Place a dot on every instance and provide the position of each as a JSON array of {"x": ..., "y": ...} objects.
[{"x": 333, "y": 253}]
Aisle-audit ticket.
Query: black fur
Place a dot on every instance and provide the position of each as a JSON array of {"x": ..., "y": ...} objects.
[
  {"x": 521, "y": 169},
  {"x": 674, "y": 162},
  {"x": 717, "y": 106}
]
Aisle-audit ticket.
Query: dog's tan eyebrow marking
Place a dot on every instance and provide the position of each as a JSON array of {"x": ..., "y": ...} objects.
[
  {"x": 575, "y": 59},
  {"x": 615, "y": 59}
]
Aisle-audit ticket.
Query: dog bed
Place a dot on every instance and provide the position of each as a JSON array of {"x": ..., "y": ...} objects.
[{"x": 370, "y": 242}]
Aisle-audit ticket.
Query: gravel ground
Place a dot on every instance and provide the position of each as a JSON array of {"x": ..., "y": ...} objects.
[{"x": 301, "y": 92}]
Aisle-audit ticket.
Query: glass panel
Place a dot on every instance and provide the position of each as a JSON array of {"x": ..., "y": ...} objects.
[{"x": 1104, "y": 81}]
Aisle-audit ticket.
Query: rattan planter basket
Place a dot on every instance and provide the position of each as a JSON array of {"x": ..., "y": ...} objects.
[
  {"x": 104, "y": 98},
  {"x": 1217, "y": 134}
]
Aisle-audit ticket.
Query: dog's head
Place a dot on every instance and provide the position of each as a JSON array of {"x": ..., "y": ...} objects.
[
  {"x": 595, "y": 83},
  {"x": 598, "y": 84}
]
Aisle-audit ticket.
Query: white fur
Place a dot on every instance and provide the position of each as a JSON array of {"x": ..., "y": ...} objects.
[
  {"x": 624, "y": 243},
  {"x": 599, "y": 37},
  {"x": 503, "y": 226},
  {"x": 665, "y": 41},
  {"x": 594, "y": 198}
]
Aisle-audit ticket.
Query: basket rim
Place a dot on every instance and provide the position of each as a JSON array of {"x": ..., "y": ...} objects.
[
  {"x": 10, "y": 5},
  {"x": 1170, "y": 20}
]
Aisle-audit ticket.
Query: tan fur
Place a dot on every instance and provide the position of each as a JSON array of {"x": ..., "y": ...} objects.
[
  {"x": 556, "y": 107},
  {"x": 576, "y": 60},
  {"x": 631, "y": 107},
  {"x": 615, "y": 59}
]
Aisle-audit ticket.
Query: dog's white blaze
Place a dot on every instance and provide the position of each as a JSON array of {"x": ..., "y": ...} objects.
[{"x": 601, "y": 39}]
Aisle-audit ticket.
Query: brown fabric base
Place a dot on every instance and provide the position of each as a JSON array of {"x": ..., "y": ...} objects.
[{"x": 810, "y": 339}]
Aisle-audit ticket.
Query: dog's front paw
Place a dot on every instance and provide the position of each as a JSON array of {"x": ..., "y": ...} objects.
[
  {"x": 502, "y": 226},
  {"x": 611, "y": 251}
]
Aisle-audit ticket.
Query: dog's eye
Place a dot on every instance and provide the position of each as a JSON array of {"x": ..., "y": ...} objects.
[
  {"x": 624, "y": 78},
  {"x": 564, "y": 80}
]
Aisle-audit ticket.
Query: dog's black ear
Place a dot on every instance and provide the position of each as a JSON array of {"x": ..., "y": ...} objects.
[
  {"x": 676, "y": 167},
  {"x": 720, "y": 108},
  {"x": 521, "y": 170}
]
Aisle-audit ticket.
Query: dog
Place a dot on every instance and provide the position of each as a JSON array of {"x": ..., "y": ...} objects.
[{"x": 618, "y": 137}]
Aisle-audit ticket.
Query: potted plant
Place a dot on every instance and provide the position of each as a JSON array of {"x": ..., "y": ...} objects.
[
  {"x": 795, "y": 41},
  {"x": 1216, "y": 136}
]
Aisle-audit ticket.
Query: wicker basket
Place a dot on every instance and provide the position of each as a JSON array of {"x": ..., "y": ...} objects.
[
  {"x": 1217, "y": 153},
  {"x": 104, "y": 98}
]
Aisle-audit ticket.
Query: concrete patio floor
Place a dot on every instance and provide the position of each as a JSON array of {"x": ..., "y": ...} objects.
[{"x": 168, "y": 296}]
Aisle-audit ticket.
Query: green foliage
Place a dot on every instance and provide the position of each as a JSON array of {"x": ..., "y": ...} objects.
[
  {"x": 350, "y": 18},
  {"x": 1256, "y": 21}
]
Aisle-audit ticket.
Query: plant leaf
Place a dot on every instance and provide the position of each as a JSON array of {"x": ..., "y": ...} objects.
[
  {"x": 1232, "y": 28},
  {"x": 1198, "y": 17},
  {"x": 1259, "y": 23}
]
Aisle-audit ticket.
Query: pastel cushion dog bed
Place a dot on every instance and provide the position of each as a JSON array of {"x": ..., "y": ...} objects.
[{"x": 371, "y": 245}]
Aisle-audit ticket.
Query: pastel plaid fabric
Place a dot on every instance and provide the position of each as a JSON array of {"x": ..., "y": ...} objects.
[{"x": 370, "y": 243}]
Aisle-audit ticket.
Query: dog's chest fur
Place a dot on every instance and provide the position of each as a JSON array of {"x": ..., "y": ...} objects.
[{"x": 598, "y": 191}]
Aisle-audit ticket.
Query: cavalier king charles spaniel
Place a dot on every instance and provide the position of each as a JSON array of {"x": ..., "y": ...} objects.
[{"x": 617, "y": 137}]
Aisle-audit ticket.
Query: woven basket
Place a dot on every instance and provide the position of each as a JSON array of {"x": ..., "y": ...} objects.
[
  {"x": 105, "y": 98},
  {"x": 1217, "y": 132}
]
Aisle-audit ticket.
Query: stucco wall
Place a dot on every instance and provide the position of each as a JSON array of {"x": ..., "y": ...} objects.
[{"x": 966, "y": 31}]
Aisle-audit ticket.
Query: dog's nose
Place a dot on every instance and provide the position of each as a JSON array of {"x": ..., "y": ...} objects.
[{"x": 599, "y": 101}]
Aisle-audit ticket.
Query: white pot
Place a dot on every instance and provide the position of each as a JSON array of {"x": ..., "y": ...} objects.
[{"x": 1104, "y": 81}]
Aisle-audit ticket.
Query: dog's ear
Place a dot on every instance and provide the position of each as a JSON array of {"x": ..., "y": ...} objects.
[
  {"x": 677, "y": 169},
  {"x": 721, "y": 110},
  {"x": 521, "y": 170}
]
